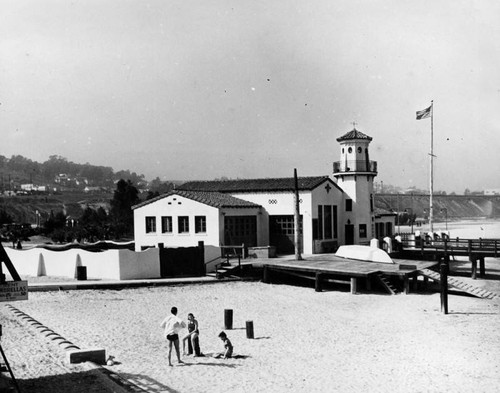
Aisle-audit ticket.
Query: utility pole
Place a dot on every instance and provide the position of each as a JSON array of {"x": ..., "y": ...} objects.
[
  {"x": 399, "y": 226},
  {"x": 296, "y": 221}
]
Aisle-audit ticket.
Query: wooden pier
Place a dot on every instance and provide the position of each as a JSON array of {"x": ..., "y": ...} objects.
[{"x": 442, "y": 249}]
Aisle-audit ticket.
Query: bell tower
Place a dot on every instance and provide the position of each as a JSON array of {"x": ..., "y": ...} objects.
[{"x": 355, "y": 173}]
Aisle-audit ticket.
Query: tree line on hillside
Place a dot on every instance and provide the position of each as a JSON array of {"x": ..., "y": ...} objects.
[
  {"x": 94, "y": 225},
  {"x": 91, "y": 226},
  {"x": 20, "y": 170}
]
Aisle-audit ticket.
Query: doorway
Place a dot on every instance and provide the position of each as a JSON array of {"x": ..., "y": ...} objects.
[
  {"x": 282, "y": 233},
  {"x": 240, "y": 230},
  {"x": 349, "y": 234}
]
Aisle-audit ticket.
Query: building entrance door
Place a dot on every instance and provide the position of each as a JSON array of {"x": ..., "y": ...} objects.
[
  {"x": 349, "y": 234},
  {"x": 240, "y": 230},
  {"x": 282, "y": 234}
]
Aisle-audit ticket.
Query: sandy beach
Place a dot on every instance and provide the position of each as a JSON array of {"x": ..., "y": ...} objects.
[{"x": 304, "y": 341}]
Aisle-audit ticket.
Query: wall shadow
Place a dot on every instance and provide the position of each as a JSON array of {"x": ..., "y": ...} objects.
[
  {"x": 92, "y": 381},
  {"x": 146, "y": 384}
]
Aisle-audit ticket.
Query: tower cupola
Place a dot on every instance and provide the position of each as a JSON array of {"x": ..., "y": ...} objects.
[{"x": 354, "y": 156}]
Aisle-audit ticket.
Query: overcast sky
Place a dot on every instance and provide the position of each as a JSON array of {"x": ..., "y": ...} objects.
[{"x": 201, "y": 89}]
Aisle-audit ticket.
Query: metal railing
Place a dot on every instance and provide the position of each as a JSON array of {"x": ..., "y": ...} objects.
[
  {"x": 228, "y": 253},
  {"x": 355, "y": 166}
]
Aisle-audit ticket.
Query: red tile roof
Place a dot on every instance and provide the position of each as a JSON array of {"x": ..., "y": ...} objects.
[
  {"x": 354, "y": 134},
  {"x": 257, "y": 185},
  {"x": 214, "y": 199}
]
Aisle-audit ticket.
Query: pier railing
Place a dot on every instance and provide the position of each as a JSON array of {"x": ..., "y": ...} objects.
[{"x": 489, "y": 247}]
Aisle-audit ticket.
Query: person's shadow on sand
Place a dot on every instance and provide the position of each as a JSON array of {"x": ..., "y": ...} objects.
[
  {"x": 217, "y": 362},
  {"x": 211, "y": 364}
]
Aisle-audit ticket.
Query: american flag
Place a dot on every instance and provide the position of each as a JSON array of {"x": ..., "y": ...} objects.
[{"x": 424, "y": 114}]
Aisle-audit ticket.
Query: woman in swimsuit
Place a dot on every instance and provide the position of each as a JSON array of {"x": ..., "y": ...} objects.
[{"x": 193, "y": 332}]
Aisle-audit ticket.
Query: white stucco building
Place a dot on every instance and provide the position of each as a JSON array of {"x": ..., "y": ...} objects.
[{"x": 334, "y": 210}]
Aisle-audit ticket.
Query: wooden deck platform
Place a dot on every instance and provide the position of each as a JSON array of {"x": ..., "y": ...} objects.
[{"x": 332, "y": 268}]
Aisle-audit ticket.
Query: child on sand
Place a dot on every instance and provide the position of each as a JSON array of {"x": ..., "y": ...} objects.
[
  {"x": 228, "y": 352},
  {"x": 193, "y": 332},
  {"x": 173, "y": 324}
]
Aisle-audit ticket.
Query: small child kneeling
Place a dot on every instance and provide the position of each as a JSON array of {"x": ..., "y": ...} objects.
[{"x": 228, "y": 352}]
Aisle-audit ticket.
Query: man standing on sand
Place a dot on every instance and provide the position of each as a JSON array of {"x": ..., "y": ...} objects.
[{"x": 173, "y": 324}]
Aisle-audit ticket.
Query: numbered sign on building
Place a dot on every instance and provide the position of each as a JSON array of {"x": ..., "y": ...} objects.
[{"x": 11, "y": 291}]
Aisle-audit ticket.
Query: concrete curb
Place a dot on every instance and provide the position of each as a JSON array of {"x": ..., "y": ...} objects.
[{"x": 86, "y": 285}]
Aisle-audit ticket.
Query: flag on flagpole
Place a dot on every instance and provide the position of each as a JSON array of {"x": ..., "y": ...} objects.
[{"x": 424, "y": 114}]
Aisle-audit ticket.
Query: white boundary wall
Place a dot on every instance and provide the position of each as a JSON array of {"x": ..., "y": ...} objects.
[
  {"x": 109, "y": 264},
  {"x": 136, "y": 265}
]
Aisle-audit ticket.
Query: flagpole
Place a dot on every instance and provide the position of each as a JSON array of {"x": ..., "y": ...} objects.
[{"x": 431, "y": 177}]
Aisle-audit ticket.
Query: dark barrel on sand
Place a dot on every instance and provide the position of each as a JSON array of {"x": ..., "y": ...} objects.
[
  {"x": 249, "y": 329},
  {"x": 228, "y": 319}
]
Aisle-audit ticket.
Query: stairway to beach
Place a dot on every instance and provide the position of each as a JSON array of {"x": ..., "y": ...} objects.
[{"x": 460, "y": 285}]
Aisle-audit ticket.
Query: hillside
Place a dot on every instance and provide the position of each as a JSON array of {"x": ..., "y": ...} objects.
[
  {"x": 457, "y": 206},
  {"x": 23, "y": 208},
  {"x": 57, "y": 173}
]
